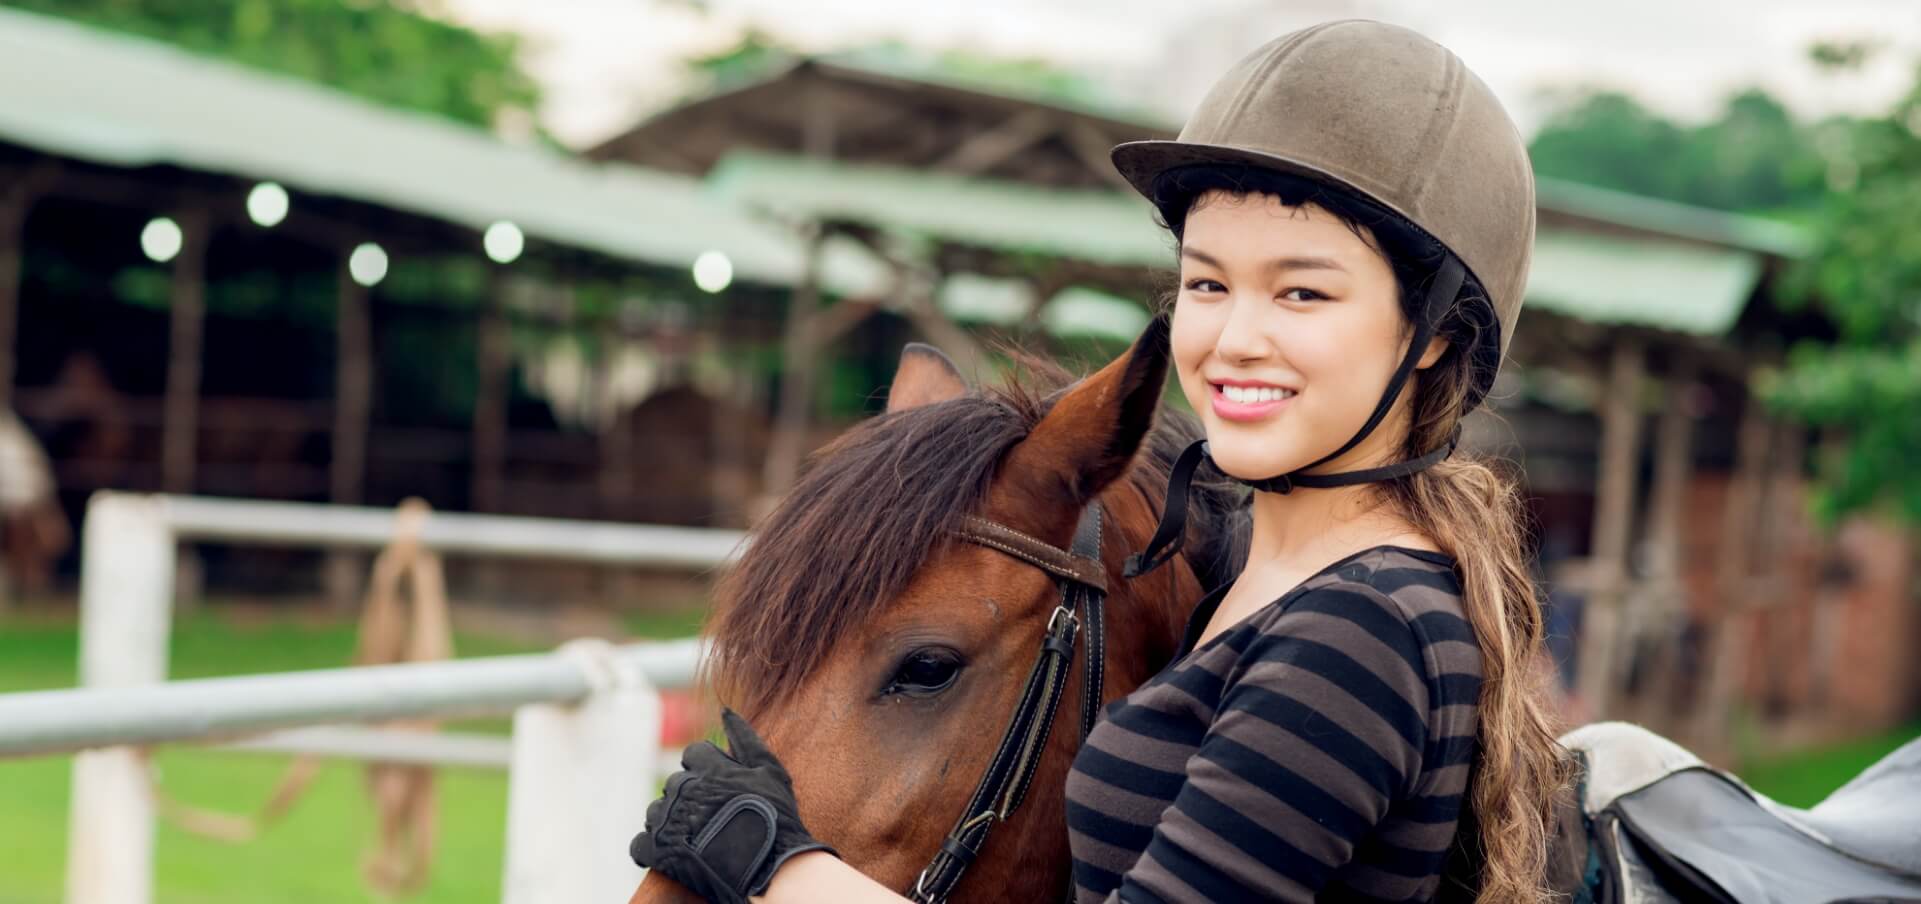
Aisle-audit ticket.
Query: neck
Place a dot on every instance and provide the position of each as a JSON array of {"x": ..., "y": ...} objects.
[{"x": 1312, "y": 527}]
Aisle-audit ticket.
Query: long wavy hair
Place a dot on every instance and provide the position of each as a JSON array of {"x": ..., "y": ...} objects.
[{"x": 1472, "y": 508}]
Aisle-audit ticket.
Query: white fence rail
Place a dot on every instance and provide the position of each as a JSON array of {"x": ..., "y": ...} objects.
[
  {"x": 64, "y": 721},
  {"x": 586, "y": 718}
]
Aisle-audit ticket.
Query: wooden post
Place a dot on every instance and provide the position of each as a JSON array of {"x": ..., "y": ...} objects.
[
  {"x": 1662, "y": 606},
  {"x": 353, "y": 405},
  {"x": 492, "y": 360},
  {"x": 799, "y": 362},
  {"x": 1613, "y": 520},
  {"x": 13, "y": 220},
  {"x": 180, "y": 429},
  {"x": 616, "y": 438},
  {"x": 1734, "y": 617},
  {"x": 180, "y": 409},
  {"x": 16, "y": 202}
]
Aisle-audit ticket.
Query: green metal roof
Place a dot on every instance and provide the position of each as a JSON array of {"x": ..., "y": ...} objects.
[
  {"x": 1672, "y": 218},
  {"x": 79, "y": 92},
  {"x": 1687, "y": 285},
  {"x": 1075, "y": 311},
  {"x": 1677, "y": 286},
  {"x": 1105, "y": 227}
]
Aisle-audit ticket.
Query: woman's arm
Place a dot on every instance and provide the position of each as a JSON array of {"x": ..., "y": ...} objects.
[{"x": 819, "y": 876}]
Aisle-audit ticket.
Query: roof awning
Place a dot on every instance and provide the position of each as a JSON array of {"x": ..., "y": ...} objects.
[
  {"x": 1102, "y": 227},
  {"x": 75, "y": 91},
  {"x": 1675, "y": 286},
  {"x": 1074, "y": 311}
]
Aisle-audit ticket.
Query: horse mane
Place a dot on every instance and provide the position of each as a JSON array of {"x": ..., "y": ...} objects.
[{"x": 874, "y": 504}]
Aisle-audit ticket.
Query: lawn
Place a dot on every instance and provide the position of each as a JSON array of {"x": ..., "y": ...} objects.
[
  {"x": 1803, "y": 779},
  {"x": 314, "y": 855}
]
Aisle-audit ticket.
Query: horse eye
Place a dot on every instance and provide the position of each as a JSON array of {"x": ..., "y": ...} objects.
[{"x": 925, "y": 671}]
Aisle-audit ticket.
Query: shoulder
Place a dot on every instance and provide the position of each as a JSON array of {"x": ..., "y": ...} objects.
[{"x": 1387, "y": 616}]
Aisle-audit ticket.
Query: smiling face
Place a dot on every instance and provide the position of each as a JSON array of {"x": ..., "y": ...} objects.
[{"x": 1286, "y": 330}]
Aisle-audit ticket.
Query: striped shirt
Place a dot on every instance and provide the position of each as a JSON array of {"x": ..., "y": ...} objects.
[{"x": 1318, "y": 749}]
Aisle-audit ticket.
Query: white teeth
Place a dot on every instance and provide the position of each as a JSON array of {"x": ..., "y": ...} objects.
[{"x": 1254, "y": 395}]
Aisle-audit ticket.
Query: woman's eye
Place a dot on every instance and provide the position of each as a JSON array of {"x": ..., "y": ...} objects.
[
  {"x": 1300, "y": 294},
  {"x": 1204, "y": 285},
  {"x": 925, "y": 672}
]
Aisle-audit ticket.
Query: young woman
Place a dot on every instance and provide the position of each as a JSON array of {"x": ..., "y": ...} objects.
[{"x": 1356, "y": 715}]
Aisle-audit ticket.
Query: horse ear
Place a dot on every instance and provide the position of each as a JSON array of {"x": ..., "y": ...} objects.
[
  {"x": 1088, "y": 439},
  {"x": 925, "y": 376}
]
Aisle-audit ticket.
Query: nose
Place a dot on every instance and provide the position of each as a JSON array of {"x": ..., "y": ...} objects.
[{"x": 1241, "y": 339}]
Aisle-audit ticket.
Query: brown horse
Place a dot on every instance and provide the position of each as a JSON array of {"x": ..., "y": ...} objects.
[{"x": 881, "y": 659}]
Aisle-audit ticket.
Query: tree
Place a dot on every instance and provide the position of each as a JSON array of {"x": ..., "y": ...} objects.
[
  {"x": 391, "y": 52},
  {"x": 1754, "y": 157},
  {"x": 1866, "y": 275}
]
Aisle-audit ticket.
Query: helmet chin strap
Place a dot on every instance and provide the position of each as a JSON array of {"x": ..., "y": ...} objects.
[{"x": 1167, "y": 537}]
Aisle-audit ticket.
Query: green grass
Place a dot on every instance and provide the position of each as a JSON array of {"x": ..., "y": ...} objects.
[
  {"x": 1803, "y": 779},
  {"x": 314, "y": 855}
]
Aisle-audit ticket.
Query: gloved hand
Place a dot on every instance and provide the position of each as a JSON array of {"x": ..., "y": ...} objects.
[{"x": 727, "y": 821}]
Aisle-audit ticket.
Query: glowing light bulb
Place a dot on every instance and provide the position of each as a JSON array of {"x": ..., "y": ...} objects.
[
  {"x": 267, "y": 204},
  {"x": 161, "y": 239},
  {"x": 367, "y": 265},
  {"x": 503, "y": 242},
  {"x": 713, "y": 271}
]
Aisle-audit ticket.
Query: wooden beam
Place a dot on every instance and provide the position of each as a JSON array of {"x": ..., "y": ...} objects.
[
  {"x": 21, "y": 191},
  {"x": 798, "y": 363},
  {"x": 1095, "y": 150},
  {"x": 1613, "y": 522},
  {"x": 353, "y": 407},
  {"x": 1657, "y": 611},
  {"x": 187, "y": 299},
  {"x": 353, "y": 390},
  {"x": 492, "y": 360},
  {"x": 1673, "y": 472},
  {"x": 1735, "y": 617},
  {"x": 1011, "y": 136}
]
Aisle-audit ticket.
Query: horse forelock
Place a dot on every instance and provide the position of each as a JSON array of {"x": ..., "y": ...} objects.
[{"x": 873, "y": 507}]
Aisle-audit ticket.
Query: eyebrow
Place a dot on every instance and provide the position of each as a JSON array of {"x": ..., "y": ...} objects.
[{"x": 1278, "y": 263}]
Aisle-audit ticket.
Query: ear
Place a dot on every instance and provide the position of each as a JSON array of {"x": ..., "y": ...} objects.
[
  {"x": 1435, "y": 349},
  {"x": 925, "y": 376},
  {"x": 1090, "y": 436}
]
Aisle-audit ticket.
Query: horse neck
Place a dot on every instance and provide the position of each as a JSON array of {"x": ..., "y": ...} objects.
[{"x": 1143, "y": 620}]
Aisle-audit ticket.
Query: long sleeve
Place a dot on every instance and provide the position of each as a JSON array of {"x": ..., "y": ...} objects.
[{"x": 1320, "y": 731}]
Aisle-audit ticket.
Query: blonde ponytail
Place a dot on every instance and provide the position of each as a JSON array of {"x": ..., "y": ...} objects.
[{"x": 1474, "y": 512}]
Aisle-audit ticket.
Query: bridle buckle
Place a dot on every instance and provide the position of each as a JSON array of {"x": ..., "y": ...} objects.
[{"x": 1073, "y": 618}]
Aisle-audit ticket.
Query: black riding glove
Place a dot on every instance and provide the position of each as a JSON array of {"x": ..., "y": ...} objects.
[{"x": 727, "y": 821}]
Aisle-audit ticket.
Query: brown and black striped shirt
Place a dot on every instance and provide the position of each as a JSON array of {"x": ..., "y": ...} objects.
[{"x": 1319, "y": 749}]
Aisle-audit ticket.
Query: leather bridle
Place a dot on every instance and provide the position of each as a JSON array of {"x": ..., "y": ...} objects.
[{"x": 1083, "y": 582}]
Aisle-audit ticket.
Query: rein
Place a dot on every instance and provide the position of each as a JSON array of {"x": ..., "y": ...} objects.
[{"x": 1083, "y": 583}]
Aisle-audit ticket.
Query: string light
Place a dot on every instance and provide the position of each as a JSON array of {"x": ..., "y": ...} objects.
[
  {"x": 367, "y": 265},
  {"x": 267, "y": 204},
  {"x": 713, "y": 271},
  {"x": 504, "y": 242},
  {"x": 161, "y": 239}
]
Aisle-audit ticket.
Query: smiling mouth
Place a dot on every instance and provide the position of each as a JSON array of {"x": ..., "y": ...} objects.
[
  {"x": 1253, "y": 395},
  {"x": 1249, "y": 403}
]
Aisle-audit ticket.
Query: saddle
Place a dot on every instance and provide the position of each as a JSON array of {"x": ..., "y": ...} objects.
[{"x": 1652, "y": 824}]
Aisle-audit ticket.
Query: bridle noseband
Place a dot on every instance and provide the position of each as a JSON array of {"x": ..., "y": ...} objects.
[{"x": 1083, "y": 582}]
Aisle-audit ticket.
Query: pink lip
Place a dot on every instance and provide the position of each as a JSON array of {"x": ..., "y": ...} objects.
[{"x": 1245, "y": 411}]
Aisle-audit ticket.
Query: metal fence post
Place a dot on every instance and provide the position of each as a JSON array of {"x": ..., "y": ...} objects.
[
  {"x": 126, "y": 602},
  {"x": 581, "y": 778}
]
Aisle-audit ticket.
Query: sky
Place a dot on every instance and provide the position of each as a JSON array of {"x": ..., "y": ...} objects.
[{"x": 607, "y": 63}]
